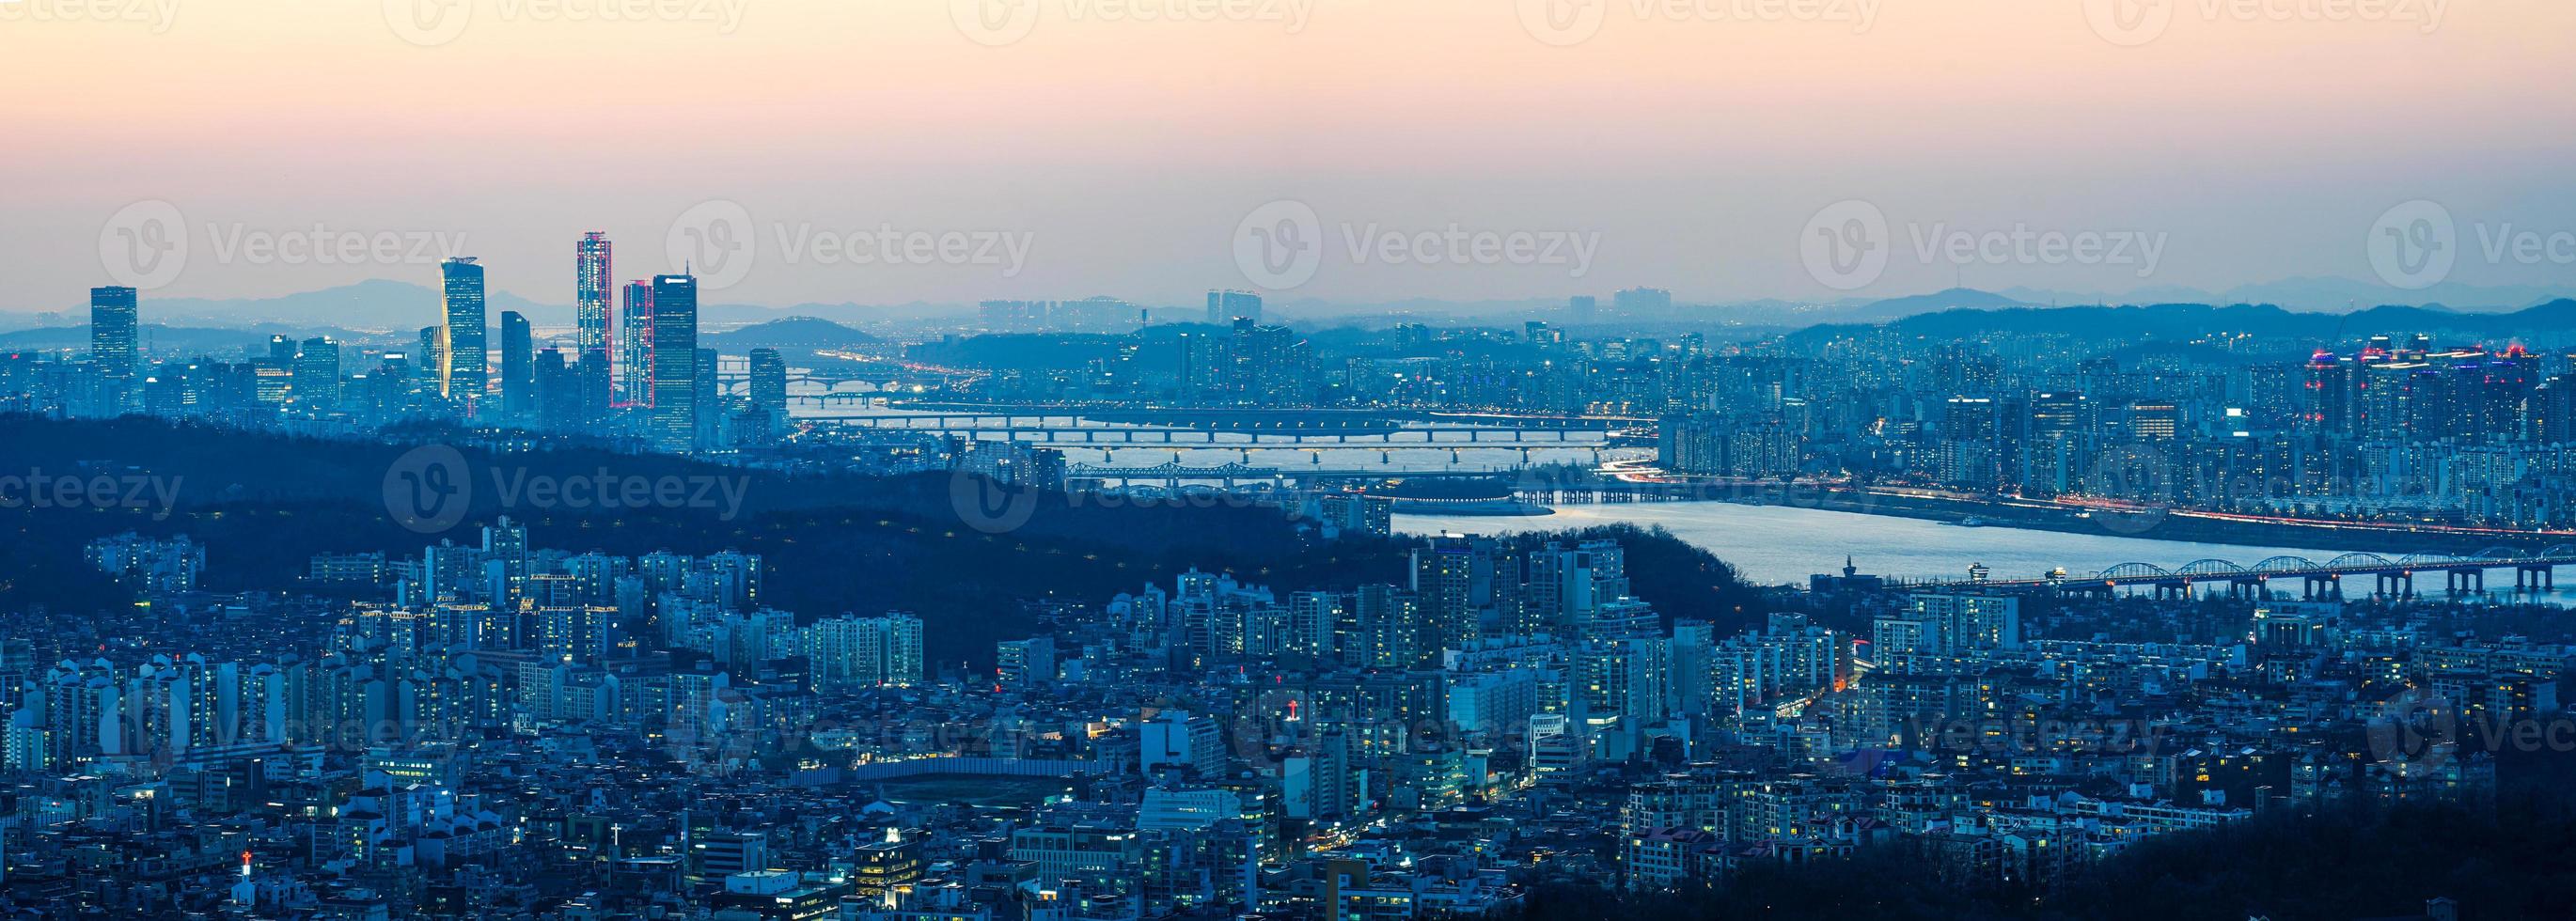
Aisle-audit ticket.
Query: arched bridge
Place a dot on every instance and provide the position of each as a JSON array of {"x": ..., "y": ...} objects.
[{"x": 2533, "y": 570}]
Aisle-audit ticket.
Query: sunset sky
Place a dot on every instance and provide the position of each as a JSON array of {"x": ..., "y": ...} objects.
[{"x": 1692, "y": 143}]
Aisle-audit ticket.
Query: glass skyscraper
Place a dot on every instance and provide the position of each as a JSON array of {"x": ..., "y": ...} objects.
[
  {"x": 591, "y": 281},
  {"x": 112, "y": 340},
  {"x": 635, "y": 347},
  {"x": 464, "y": 370},
  {"x": 518, "y": 365},
  {"x": 675, "y": 361}
]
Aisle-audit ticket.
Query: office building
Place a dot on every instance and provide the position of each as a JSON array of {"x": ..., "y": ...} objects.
[
  {"x": 675, "y": 362},
  {"x": 635, "y": 347},
  {"x": 590, "y": 293},
  {"x": 463, "y": 372},
  {"x": 518, "y": 364}
]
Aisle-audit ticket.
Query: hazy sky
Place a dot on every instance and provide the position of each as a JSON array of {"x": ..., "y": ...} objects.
[{"x": 884, "y": 151}]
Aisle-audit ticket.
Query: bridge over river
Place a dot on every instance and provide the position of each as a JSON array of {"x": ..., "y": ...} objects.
[{"x": 2392, "y": 578}]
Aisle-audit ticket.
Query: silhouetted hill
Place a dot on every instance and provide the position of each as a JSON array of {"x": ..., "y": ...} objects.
[
  {"x": 968, "y": 560},
  {"x": 799, "y": 333}
]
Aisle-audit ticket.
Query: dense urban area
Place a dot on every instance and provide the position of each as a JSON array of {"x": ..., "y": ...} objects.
[{"x": 1019, "y": 616}]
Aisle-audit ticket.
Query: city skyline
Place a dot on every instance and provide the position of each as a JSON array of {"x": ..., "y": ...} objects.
[{"x": 1287, "y": 460}]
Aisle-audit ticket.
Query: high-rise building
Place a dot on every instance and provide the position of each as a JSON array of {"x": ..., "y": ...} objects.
[
  {"x": 590, "y": 376},
  {"x": 866, "y": 651},
  {"x": 464, "y": 373},
  {"x": 112, "y": 339},
  {"x": 1635, "y": 302},
  {"x": 635, "y": 347},
  {"x": 558, "y": 397},
  {"x": 518, "y": 364},
  {"x": 769, "y": 382},
  {"x": 317, "y": 374},
  {"x": 433, "y": 357},
  {"x": 707, "y": 398},
  {"x": 675, "y": 361},
  {"x": 590, "y": 293},
  {"x": 1225, "y": 307}
]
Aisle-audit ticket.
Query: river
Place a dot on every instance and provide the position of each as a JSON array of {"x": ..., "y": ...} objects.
[{"x": 1774, "y": 544}]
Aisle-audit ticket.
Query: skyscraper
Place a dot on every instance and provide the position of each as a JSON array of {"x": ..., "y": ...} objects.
[
  {"x": 433, "y": 358},
  {"x": 590, "y": 375},
  {"x": 317, "y": 374},
  {"x": 518, "y": 364},
  {"x": 464, "y": 371},
  {"x": 635, "y": 347},
  {"x": 112, "y": 342},
  {"x": 590, "y": 294},
  {"x": 769, "y": 382},
  {"x": 675, "y": 361}
]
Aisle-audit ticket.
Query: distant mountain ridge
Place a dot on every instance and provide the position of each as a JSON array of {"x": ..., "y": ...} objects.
[
  {"x": 397, "y": 308},
  {"x": 215, "y": 342},
  {"x": 2185, "y": 321}
]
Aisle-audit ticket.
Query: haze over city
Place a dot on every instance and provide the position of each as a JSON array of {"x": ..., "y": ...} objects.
[
  {"x": 1121, "y": 145},
  {"x": 1287, "y": 460}
]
